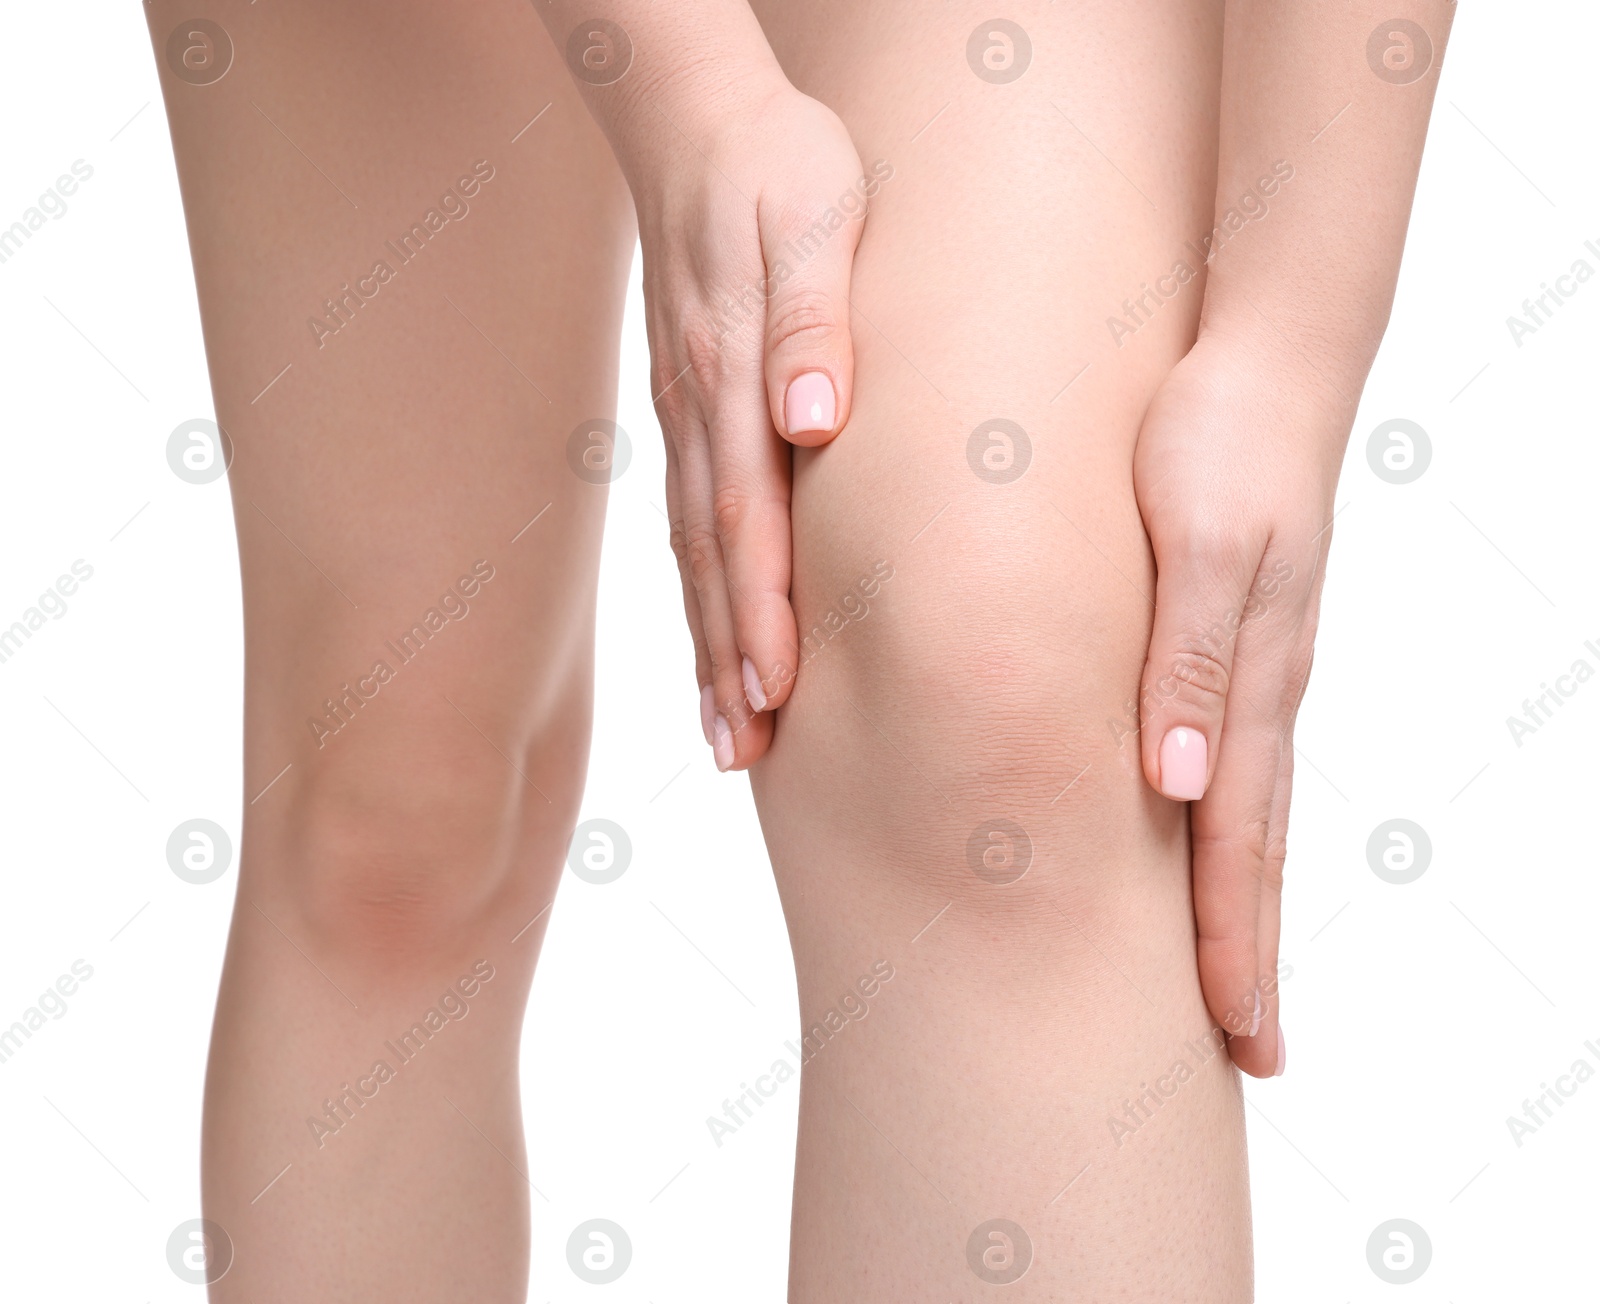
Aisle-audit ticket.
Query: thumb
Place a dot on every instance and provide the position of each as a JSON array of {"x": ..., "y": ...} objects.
[
  {"x": 810, "y": 362},
  {"x": 1202, "y": 600}
]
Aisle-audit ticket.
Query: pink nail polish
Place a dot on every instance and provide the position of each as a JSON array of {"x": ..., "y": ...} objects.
[
  {"x": 1283, "y": 1055},
  {"x": 722, "y": 744},
  {"x": 708, "y": 710},
  {"x": 1183, "y": 764},
  {"x": 753, "y": 691},
  {"x": 809, "y": 403}
]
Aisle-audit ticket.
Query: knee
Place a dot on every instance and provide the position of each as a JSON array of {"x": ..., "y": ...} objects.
[
  {"x": 421, "y": 841},
  {"x": 969, "y": 733},
  {"x": 976, "y": 687}
]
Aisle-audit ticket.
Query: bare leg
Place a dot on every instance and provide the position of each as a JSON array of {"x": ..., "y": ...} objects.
[
  {"x": 953, "y": 796},
  {"x": 406, "y": 825}
]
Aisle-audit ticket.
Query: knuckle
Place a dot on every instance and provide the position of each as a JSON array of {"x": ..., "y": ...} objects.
[
  {"x": 1246, "y": 847},
  {"x": 716, "y": 674},
  {"x": 748, "y": 517},
  {"x": 703, "y": 554},
  {"x": 1300, "y": 669},
  {"x": 1202, "y": 672},
  {"x": 674, "y": 410},
  {"x": 670, "y": 390},
  {"x": 1196, "y": 675},
  {"x": 802, "y": 317},
  {"x": 662, "y": 372},
  {"x": 678, "y": 537},
  {"x": 730, "y": 509},
  {"x": 1275, "y": 853},
  {"x": 1202, "y": 540},
  {"x": 703, "y": 355}
]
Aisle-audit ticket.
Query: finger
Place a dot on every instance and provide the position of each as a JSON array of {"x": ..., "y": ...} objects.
[
  {"x": 691, "y": 603},
  {"x": 1294, "y": 681},
  {"x": 702, "y": 558},
  {"x": 810, "y": 363},
  {"x": 1294, "y": 678},
  {"x": 1231, "y": 826},
  {"x": 1269, "y": 926},
  {"x": 1239, "y": 841},
  {"x": 750, "y": 469},
  {"x": 752, "y": 734},
  {"x": 1204, "y": 595}
]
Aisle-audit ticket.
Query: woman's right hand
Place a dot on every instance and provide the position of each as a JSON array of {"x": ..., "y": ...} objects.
[{"x": 749, "y": 230}]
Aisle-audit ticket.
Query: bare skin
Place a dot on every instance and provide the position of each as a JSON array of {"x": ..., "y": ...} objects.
[
  {"x": 962, "y": 710},
  {"x": 419, "y": 839},
  {"x": 959, "y": 784},
  {"x": 942, "y": 703}
]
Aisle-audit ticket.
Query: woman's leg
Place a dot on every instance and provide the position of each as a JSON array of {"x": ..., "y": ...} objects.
[
  {"x": 411, "y": 298},
  {"x": 1011, "y": 1074}
]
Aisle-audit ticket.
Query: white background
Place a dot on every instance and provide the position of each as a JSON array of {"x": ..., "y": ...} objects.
[{"x": 1419, "y": 1016}]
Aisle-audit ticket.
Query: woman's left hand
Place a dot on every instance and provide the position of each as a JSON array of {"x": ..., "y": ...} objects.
[{"x": 1234, "y": 473}]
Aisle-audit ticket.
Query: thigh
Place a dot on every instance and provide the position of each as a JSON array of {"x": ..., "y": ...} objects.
[
  {"x": 411, "y": 247},
  {"x": 954, "y": 789}
]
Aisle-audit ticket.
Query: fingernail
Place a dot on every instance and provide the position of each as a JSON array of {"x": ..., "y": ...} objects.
[
  {"x": 1183, "y": 764},
  {"x": 1255, "y": 1019},
  {"x": 1283, "y": 1054},
  {"x": 752, "y": 687},
  {"x": 722, "y": 743},
  {"x": 708, "y": 710},
  {"x": 809, "y": 403}
]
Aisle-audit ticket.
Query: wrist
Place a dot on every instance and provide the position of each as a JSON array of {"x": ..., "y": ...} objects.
[
  {"x": 666, "y": 114},
  {"x": 1254, "y": 405},
  {"x": 1324, "y": 360}
]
